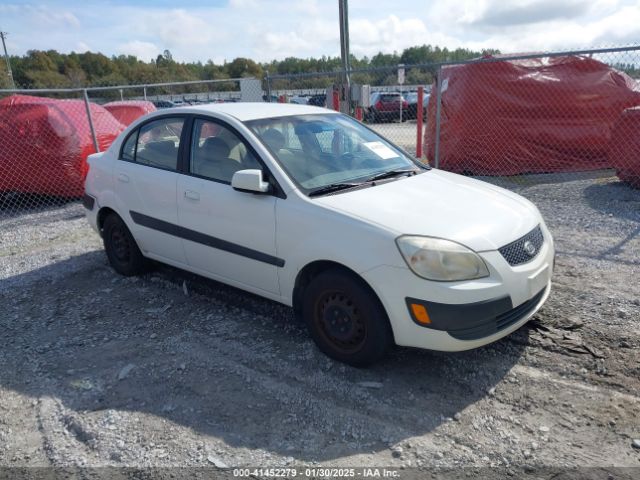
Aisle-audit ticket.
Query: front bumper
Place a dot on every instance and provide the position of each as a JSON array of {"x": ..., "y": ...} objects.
[
  {"x": 473, "y": 321},
  {"x": 465, "y": 315}
]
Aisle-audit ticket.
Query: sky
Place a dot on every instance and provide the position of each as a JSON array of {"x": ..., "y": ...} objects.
[{"x": 265, "y": 30}]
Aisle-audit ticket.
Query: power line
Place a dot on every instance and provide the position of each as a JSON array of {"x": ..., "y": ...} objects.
[{"x": 3, "y": 35}]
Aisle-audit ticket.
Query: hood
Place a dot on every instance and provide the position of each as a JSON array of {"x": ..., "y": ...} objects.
[{"x": 441, "y": 204}]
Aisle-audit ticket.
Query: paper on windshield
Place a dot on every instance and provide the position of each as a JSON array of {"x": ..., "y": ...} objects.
[{"x": 381, "y": 150}]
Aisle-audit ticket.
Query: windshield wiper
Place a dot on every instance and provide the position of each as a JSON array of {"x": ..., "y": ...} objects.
[
  {"x": 391, "y": 173},
  {"x": 333, "y": 187}
]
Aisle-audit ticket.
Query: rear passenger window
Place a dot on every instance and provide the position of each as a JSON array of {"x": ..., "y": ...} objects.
[
  {"x": 158, "y": 143},
  {"x": 129, "y": 147}
]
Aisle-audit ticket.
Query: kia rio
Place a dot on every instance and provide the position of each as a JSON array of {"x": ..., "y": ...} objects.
[{"x": 312, "y": 209}]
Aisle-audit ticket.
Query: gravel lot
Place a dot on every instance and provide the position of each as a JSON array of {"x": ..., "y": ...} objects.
[{"x": 171, "y": 369}]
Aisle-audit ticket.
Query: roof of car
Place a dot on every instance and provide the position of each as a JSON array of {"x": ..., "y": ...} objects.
[{"x": 245, "y": 111}]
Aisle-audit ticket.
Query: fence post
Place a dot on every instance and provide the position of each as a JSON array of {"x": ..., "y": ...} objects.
[
  {"x": 268, "y": 82},
  {"x": 438, "y": 108},
  {"x": 144, "y": 92},
  {"x": 419, "y": 114},
  {"x": 93, "y": 130}
]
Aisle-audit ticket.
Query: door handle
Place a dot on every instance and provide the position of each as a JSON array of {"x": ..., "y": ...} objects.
[
  {"x": 124, "y": 178},
  {"x": 191, "y": 195}
]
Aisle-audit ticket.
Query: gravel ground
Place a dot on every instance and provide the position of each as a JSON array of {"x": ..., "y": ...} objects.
[{"x": 171, "y": 369}]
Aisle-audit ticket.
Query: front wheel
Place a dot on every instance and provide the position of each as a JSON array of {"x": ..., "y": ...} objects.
[
  {"x": 345, "y": 319},
  {"x": 122, "y": 250}
]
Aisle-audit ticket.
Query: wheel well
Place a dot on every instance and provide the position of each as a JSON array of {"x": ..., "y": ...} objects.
[
  {"x": 312, "y": 270},
  {"x": 102, "y": 215}
]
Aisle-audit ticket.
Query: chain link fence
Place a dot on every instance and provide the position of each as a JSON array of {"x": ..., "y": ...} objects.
[
  {"x": 47, "y": 134},
  {"x": 510, "y": 120},
  {"x": 390, "y": 109},
  {"x": 555, "y": 114}
]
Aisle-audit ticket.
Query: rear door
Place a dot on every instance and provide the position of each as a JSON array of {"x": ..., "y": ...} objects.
[
  {"x": 146, "y": 179},
  {"x": 227, "y": 234}
]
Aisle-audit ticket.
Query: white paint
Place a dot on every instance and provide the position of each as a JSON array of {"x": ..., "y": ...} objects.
[{"x": 355, "y": 228}]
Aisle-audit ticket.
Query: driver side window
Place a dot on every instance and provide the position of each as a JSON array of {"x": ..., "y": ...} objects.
[{"x": 217, "y": 152}]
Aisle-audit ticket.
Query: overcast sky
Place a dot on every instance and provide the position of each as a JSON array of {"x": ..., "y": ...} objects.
[{"x": 273, "y": 29}]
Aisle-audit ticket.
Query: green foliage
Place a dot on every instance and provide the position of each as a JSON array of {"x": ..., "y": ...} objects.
[
  {"x": 42, "y": 69},
  {"x": 631, "y": 69}
]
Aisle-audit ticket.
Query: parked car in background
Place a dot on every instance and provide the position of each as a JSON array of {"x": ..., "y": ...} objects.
[
  {"x": 163, "y": 103},
  {"x": 126, "y": 111},
  {"x": 581, "y": 97},
  {"x": 310, "y": 208},
  {"x": 299, "y": 99},
  {"x": 45, "y": 144},
  {"x": 385, "y": 107},
  {"x": 319, "y": 100},
  {"x": 412, "y": 107}
]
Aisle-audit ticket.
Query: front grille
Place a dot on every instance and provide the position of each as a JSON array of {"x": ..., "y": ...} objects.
[
  {"x": 500, "y": 322},
  {"x": 516, "y": 252}
]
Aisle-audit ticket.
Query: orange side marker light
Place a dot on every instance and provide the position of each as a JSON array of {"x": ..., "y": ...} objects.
[{"x": 420, "y": 313}]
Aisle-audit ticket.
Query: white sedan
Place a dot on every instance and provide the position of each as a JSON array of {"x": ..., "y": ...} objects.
[{"x": 312, "y": 209}]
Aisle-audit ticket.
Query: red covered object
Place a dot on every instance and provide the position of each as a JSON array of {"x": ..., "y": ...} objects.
[
  {"x": 45, "y": 143},
  {"x": 528, "y": 116},
  {"x": 624, "y": 149},
  {"x": 127, "y": 111}
]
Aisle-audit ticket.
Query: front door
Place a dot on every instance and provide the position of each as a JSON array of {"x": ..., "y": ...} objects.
[{"x": 230, "y": 235}]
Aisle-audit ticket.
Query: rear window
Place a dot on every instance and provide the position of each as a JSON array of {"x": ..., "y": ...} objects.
[{"x": 390, "y": 97}]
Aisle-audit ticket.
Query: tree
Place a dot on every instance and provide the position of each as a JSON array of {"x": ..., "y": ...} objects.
[
  {"x": 53, "y": 69},
  {"x": 243, "y": 67}
]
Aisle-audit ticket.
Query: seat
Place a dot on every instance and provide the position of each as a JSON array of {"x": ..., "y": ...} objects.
[
  {"x": 162, "y": 154},
  {"x": 212, "y": 160},
  {"x": 295, "y": 162},
  {"x": 275, "y": 141}
]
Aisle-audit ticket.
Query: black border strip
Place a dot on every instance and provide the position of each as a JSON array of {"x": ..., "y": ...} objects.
[
  {"x": 88, "y": 201},
  {"x": 445, "y": 316},
  {"x": 204, "y": 239}
]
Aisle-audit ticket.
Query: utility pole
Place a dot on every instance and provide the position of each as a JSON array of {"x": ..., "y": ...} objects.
[
  {"x": 6, "y": 57},
  {"x": 344, "y": 51}
]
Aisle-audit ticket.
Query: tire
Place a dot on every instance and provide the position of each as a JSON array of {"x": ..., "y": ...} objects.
[
  {"x": 345, "y": 319},
  {"x": 122, "y": 250}
]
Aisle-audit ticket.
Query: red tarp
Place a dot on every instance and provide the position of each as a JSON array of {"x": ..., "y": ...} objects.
[
  {"x": 127, "y": 111},
  {"x": 528, "y": 116},
  {"x": 45, "y": 143},
  {"x": 624, "y": 150}
]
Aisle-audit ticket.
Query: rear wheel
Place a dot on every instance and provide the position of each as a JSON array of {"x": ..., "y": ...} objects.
[
  {"x": 122, "y": 251},
  {"x": 345, "y": 318}
]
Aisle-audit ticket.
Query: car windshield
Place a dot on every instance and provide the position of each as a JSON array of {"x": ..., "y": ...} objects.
[{"x": 327, "y": 149}]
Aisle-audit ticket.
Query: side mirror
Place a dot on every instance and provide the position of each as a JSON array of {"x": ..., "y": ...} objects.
[{"x": 249, "y": 181}]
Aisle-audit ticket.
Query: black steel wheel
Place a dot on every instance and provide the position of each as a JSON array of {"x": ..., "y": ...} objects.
[
  {"x": 122, "y": 251},
  {"x": 345, "y": 318}
]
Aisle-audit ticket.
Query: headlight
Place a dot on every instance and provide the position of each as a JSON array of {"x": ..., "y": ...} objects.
[{"x": 441, "y": 260}]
